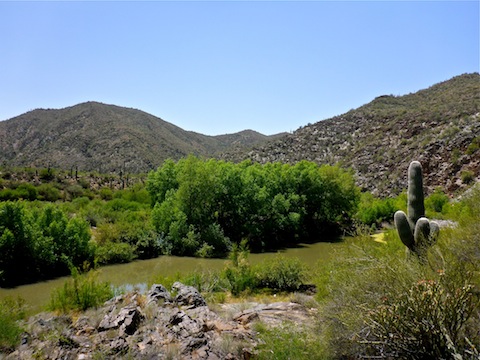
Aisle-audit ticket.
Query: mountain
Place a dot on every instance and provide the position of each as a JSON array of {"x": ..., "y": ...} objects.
[
  {"x": 439, "y": 126},
  {"x": 96, "y": 136}
]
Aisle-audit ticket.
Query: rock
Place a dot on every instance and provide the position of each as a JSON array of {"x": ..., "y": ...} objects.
[
  {"x": 127, "y": 320},
  {"x": 158, "y": 293},
  {"x": 188, "y": 296},
  {"x": 153, "y": 326}
]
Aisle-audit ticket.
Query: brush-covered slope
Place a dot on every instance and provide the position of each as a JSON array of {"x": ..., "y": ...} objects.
[
  {"x": 95, "y": 136},
  {"x": 439, "y": 126}
]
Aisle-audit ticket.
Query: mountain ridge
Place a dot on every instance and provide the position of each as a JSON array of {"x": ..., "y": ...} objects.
[
  {"x": 103, "y": 137},
  {"x": 439, "y": 126}
]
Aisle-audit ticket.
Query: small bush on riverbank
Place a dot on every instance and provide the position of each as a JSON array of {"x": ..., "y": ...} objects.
[
  {"x": 10, "y": 312},
  {"x": 81, "y": 292}
]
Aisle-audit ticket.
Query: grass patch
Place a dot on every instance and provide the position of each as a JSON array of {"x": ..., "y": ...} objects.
[{"x": 288, "y": 341}]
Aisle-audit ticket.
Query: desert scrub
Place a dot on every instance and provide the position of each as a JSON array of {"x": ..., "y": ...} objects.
[
  {"x": 377, "y": 302},
  {"x": 81, "y": 292},
  {"x": 11, "y": 311}
]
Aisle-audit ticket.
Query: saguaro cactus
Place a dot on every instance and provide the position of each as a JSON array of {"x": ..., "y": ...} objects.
[{"x": 414, "y": 229}]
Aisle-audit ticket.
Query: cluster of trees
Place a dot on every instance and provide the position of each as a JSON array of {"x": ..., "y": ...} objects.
[
  {"x": 40, "y": 242},
  {"x": 202, "y": 206}
]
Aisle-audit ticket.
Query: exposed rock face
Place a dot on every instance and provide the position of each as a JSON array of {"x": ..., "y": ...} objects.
[{"x": 152, "y": 326}]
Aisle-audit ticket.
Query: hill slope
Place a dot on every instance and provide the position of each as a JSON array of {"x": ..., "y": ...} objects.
[
  {"x": 439, "y": 126},
  {"x": 95, "y": 136}
]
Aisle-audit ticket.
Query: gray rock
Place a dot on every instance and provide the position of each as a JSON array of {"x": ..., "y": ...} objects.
[
  {"x": 188, "y": 296},
  {"x": 158, "y": 293}
]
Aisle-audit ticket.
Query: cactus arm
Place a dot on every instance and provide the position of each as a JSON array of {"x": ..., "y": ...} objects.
[
  {"x": 434, "y": 231},
  {"x": 422, "y": 232},
  {"x": 403, "y": 228}
]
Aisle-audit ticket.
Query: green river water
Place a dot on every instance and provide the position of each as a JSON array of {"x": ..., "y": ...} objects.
[{"x": 141, "y": 272}]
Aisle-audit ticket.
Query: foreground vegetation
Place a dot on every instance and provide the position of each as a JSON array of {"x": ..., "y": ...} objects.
[{"x": 372, "y": 300}]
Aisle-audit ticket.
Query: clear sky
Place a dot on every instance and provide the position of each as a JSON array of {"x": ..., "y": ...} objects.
[{"x": 224, "y": 66}]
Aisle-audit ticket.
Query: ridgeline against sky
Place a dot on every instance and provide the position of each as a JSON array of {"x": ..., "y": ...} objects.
[{"x": 221, "y": 67}]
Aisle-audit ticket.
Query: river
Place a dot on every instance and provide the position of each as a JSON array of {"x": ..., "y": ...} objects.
[{"x": 141, "y": 272}]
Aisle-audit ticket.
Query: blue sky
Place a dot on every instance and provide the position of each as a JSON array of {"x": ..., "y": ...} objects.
[{"x": 223, "y": 66}]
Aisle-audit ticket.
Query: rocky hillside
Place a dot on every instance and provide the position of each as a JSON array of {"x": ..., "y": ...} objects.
[
  {"x": 95, "y": 136},
  {"x": 439, "y": 126}
]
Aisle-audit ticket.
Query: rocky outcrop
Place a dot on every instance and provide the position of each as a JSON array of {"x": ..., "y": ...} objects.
[{"x": 156, "y": 325}]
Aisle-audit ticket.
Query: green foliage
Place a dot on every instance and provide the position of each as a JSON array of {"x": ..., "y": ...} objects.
[
  {"x": 375, "y": 303},
  {"x": 114, "y": 253},
  {"x": 474, "y": 146},
  {"x": 467, "y": 176},
  {"x": 239, "y": 273},
  {"x": 212, "y": 203},
  {"x": 288, "y": 341},
  {"x": 373, "y": 211},
  {"x": 422, "y": 323},
  {"x": 81, "y": 292},
  {"x": 436, "y": 202},
  {"x": 10, "y": 312},
  {"x": 281, "y": 273},
  {"x": 48, "y": 192},
  {"x": 39, "y": 243}
]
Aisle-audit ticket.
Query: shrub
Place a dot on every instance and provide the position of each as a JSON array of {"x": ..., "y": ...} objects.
[
  {"x": 81, "y": 292},
  {"x": 436, "y": 201},
  {"x": 425, "y": 322},
  {"x": 281, "y": 273},
  {"x": 114, "y": 253},
  {"x": 239, "y": 274},
  {"x": 48, "y": 192},
  {"x": 467, "y": 176},
  {"x": 374, "y": 211},
  {"x": 10, "y": 312}
]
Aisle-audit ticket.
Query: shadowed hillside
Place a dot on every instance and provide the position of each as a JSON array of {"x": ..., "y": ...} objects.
[
  {"x": 439, "y": 126},
  {"x": 95, "y": 136}
]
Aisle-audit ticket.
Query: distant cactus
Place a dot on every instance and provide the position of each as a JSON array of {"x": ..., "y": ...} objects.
[{"x": 414, "y": 229}]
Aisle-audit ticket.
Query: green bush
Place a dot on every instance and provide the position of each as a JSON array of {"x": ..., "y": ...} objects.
[
  {"x": 372, "y": 210},
  {"x": 10, "y": 331},
  {"x": 239, "y": 273},
  {"x": 425, "y": 322},
  {"x": 48, "y": 192},
  {"x": 281, "y": 273},
  {"x": 467, "y": 176},
  {"x": 81, "y": 292},
  {"x": 114, "y": 253},
  {"x": 436, "y": 202}
]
